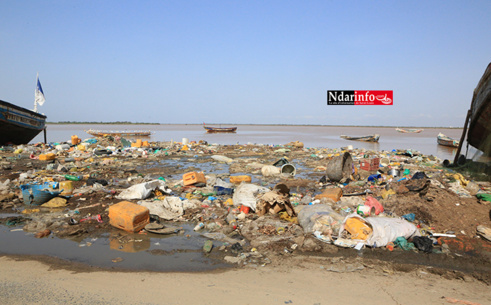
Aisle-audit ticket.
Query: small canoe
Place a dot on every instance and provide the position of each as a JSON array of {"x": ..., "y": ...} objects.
[
  {"x": 219, "y": 129},
  {"x": 411, "y": 130},
  {"x": 102, "y": 133},
  {"x": 370, "y": 138},
  {"x": 446, "y": 141}
]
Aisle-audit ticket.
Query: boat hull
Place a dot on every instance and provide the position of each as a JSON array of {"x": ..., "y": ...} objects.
[
  {"x": 409, "y": 130},
  {"x": 220, "y": 129},
  {"x": 371, "y": 138},
  {"x": 102, "y": 133},
  {"x": 19, "y": 125},
  {"x": 446, "y": 141},
  {"x": 479, "y": 134}
]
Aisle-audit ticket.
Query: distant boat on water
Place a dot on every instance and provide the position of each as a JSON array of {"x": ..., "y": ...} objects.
[
  {"x": 210, "y": 129},
  {"x": 102, "y": 133},
  {"x": 446, "y": 141},
  {"x": 19, "y": 125},
  {"x": 370, "y": 138},
  {"x": 410, "y": 130}
]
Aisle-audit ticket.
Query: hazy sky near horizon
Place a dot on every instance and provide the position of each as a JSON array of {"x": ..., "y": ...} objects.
[{"x": 260, "y": 62}]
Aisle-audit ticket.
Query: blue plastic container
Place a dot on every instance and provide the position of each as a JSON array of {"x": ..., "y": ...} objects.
[
  {"x": 219, "y": 190},
  {"x": 37, "y": 194}
]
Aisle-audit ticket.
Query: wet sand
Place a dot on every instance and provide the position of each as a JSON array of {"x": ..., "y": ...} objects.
[{"x": 31, "y": 282}]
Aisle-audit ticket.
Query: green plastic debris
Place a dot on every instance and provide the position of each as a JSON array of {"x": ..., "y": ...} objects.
[
  {"x": 125, "y": 142},
  {"x": 73, "y": 178},
  {"x": 485, "y": 197},
  {"x": 402, "y": 243}
]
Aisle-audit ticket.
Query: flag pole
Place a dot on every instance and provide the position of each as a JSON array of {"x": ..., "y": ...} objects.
[{"x": 35, "y": 93}]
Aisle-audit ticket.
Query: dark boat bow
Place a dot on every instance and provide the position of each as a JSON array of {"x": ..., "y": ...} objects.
[{"x": 19, "y": 125}]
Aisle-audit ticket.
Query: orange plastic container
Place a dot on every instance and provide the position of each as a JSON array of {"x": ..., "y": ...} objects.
[
  {"x": 47, "y": 157},
  {"x": 137, "y": 144},
  {"x": 75, "y": 140},
  {"x": 239, "y": 179},
  {"x": 193, "y": 177},
  {"x": 128, "y": 216}
]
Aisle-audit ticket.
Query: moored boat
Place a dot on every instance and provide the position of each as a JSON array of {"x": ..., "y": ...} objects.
[
  {"x": 102, "y": 133},
  {"x": 410, "y": 130},
  {"x": 370, "y": 138},
  {"x": 210, "y": 129},
  {"x": 19, "y": 125},
  {"x": 446, "y": 141}
]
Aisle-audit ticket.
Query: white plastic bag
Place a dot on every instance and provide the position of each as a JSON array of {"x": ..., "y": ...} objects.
[
  {"x": 319, "y": 217},
  {"x": 169, "y": 209},
  {"x": 270, "y": 170},
  {"x": 141, "y": 191},
  {"x": 245, "y": 194}
]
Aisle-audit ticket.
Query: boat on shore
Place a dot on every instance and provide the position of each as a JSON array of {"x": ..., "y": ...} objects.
[
  {"x": 446, "y": 141},
  {"x": 210, "y": 129},
  {"x": 370, "y": 138},
  {"x": 19, "y": 125},
  {"x": 479, "y": 134},
  {"x": 133, "y": 133},
  {"x": 410, "y": 130}
]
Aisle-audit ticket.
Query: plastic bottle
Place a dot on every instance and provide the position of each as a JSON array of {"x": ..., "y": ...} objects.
[
  {"x": 73, "y": 178},
  {"x": 199, "y": 226},
  {"x": 231, "y": 218}
]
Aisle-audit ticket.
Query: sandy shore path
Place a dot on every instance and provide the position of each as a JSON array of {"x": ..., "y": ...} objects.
[{"x": 32, "y": 282}]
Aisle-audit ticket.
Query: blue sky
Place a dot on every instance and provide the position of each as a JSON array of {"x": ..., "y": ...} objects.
[{"x": 244, "y": 61}]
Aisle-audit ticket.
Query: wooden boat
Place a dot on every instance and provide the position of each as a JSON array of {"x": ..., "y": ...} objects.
[
  {"x": 370, "y": 138},
  {"x": 210, "y": 129},
  {"x": 135, "y": 133},
  {"x": 446, "y": 141},
  {"x": 19, "y": 125},
  {"x": 479, "y": 134},
  {"x": 410, "y": 130}
]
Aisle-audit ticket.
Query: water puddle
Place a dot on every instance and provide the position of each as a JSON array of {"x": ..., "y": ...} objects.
[{"x": 118, "y": 249}]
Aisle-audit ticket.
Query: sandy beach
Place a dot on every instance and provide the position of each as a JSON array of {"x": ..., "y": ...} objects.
[{"x": 32, "y": 282}]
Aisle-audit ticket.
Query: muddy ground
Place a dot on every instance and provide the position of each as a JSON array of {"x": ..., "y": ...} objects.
[{"x": 264, "y": 239}]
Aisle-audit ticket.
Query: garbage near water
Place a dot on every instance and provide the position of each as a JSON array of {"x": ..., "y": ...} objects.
[{"x": 255, "y": 201}]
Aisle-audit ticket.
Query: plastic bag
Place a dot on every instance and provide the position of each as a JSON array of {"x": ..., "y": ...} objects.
[
  {"x": 270, "y": 170},
  {"x": 423, "y": 243},
  {"x": 245, "y": 194},
  {"x": 141, "y": 191},
  {"x": 320, "y": 219},
  {"x": 372, "y": 202},
  {"x": 170, "y": 208}
]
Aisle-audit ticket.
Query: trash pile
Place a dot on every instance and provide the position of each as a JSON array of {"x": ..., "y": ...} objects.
[{"x": 256, "y": 200}]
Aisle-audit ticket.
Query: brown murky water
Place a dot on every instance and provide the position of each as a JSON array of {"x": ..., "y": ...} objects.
[{"x": 312, "y": 136}]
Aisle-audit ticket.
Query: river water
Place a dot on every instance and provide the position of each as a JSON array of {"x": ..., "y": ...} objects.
[{"x": 312, "y": 136}]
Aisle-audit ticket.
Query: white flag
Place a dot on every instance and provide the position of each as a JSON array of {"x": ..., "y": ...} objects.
[{"x": 39, "y": 94}]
